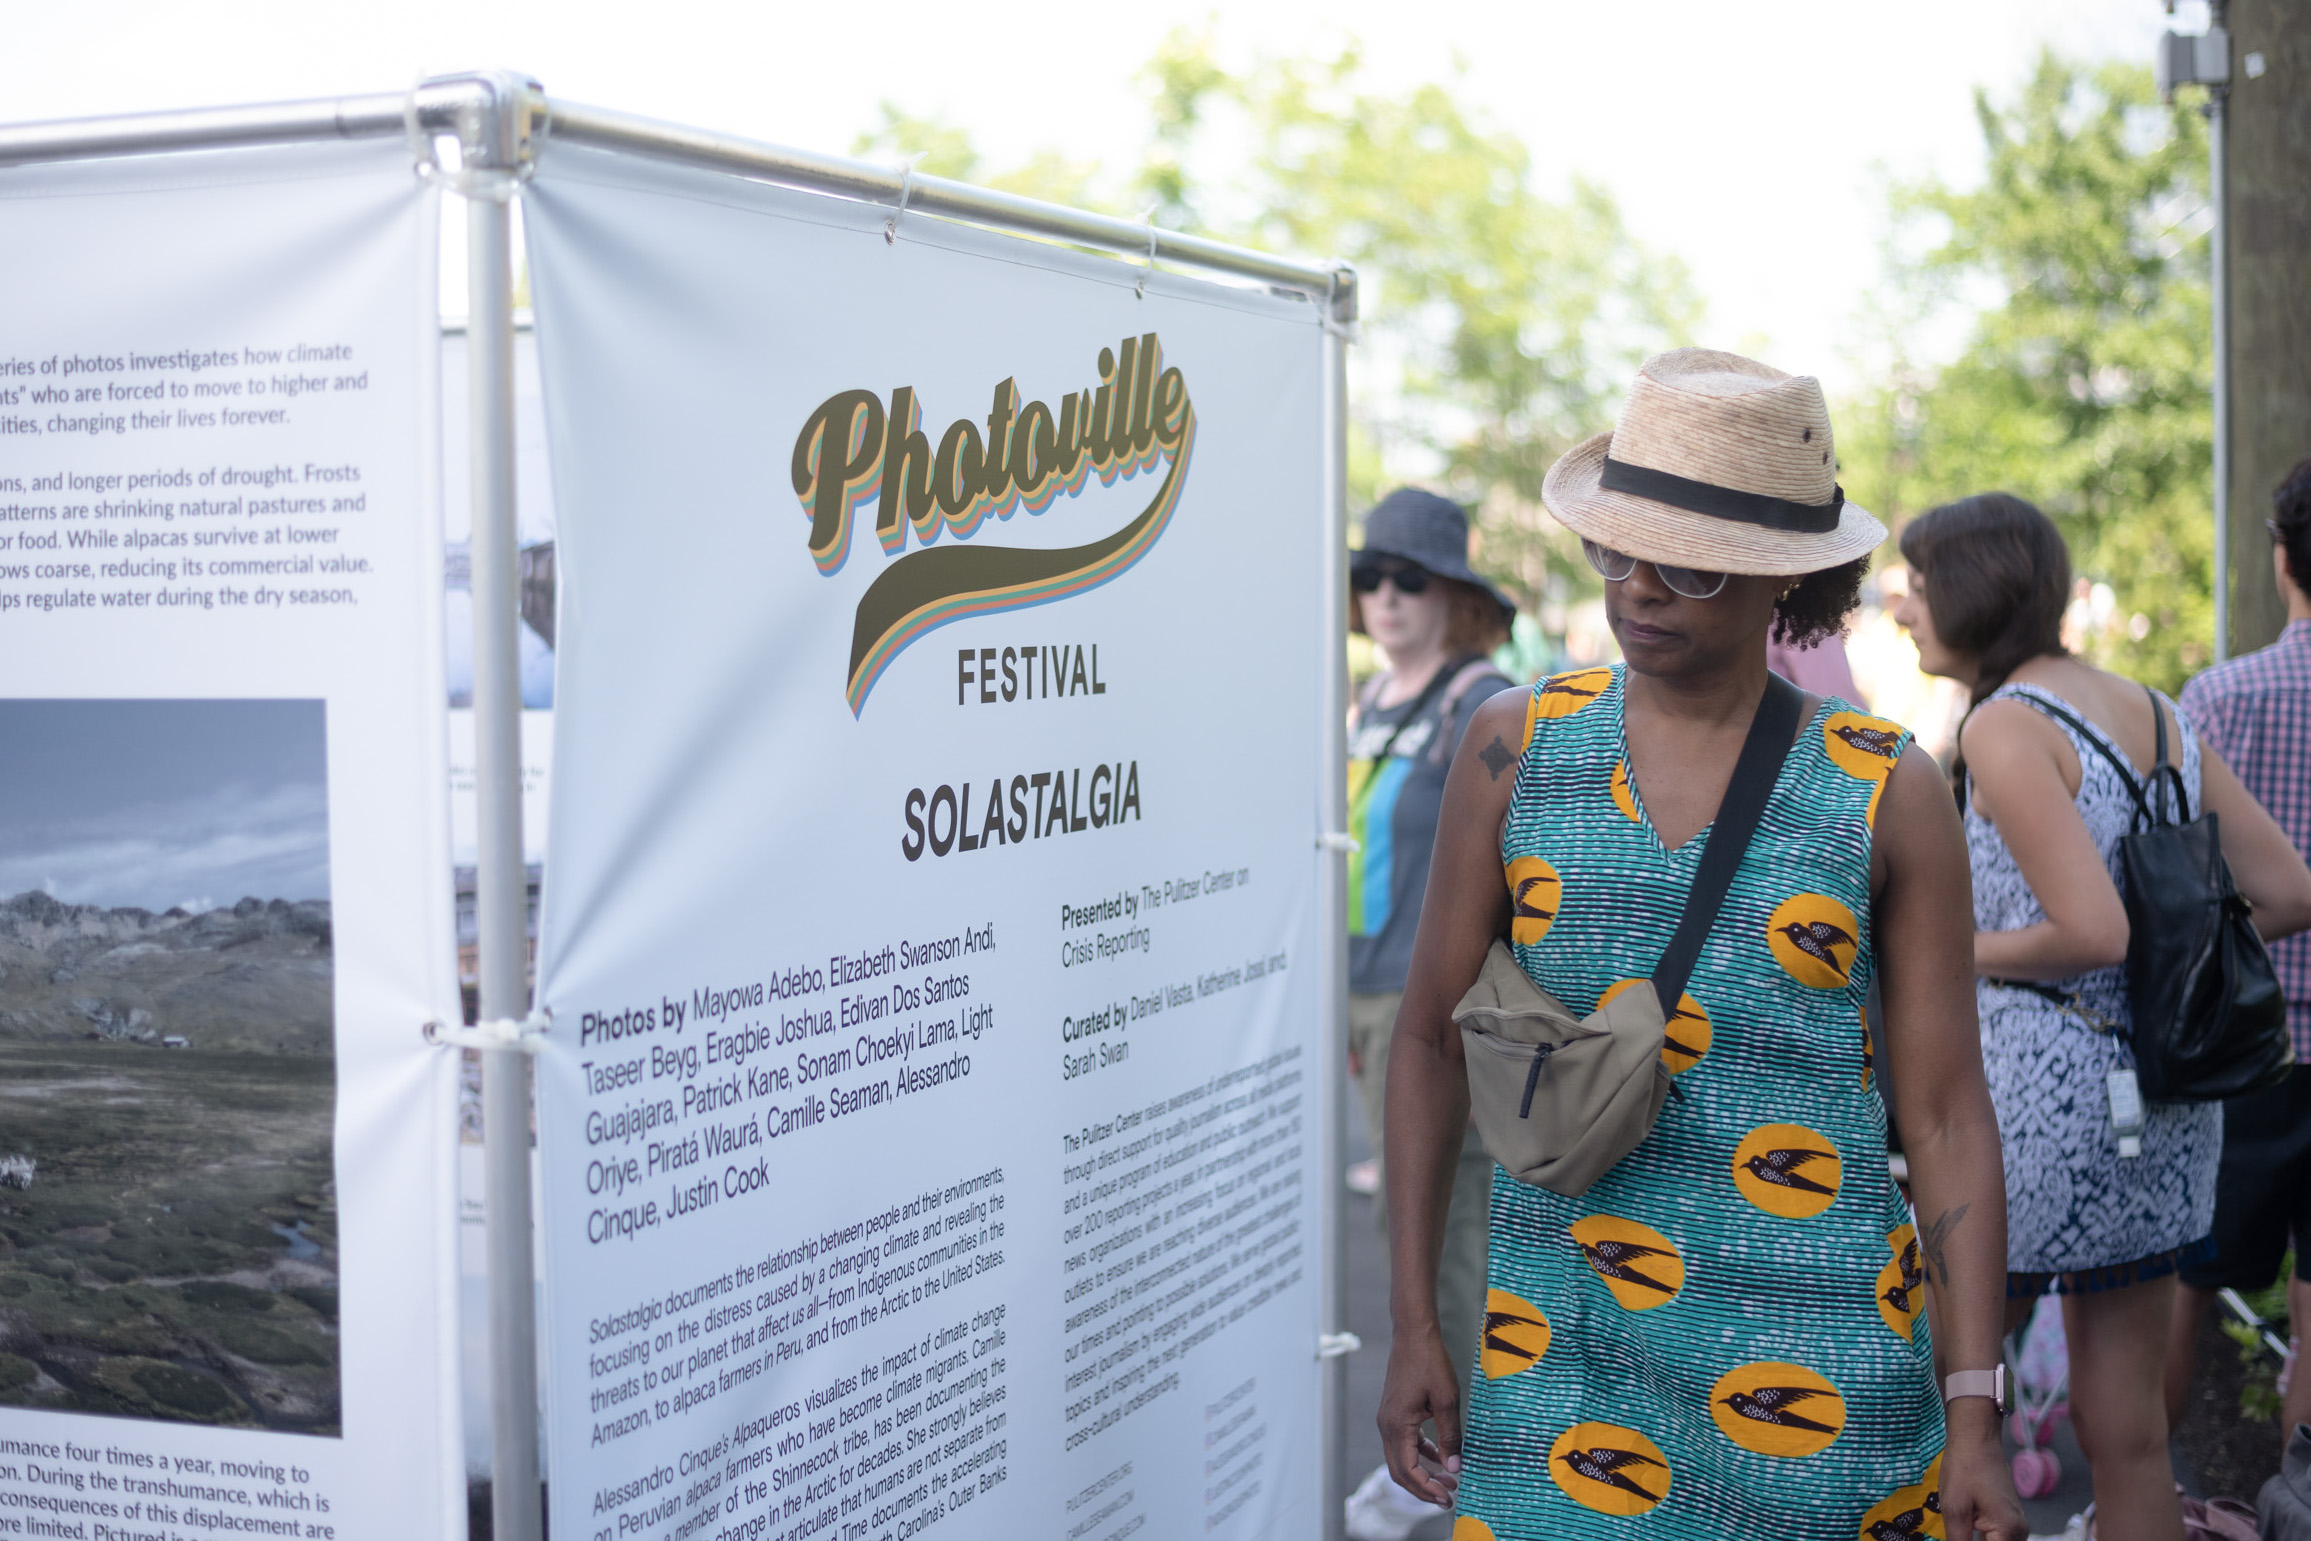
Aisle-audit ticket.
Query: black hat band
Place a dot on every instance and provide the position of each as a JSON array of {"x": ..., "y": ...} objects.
[{"x": 1724, "y": 502}]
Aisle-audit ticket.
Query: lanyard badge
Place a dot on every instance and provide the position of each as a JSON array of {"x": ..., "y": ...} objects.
[{"x": 2126, "y": 1111}]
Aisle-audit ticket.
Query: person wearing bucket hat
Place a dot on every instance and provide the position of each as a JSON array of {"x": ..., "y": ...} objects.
[
  {"x": 1434, "y": 621},
  {"x": 1722, "y": 1334}
]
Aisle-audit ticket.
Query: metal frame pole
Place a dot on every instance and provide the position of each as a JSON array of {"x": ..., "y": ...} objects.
[
  {"x": 1332, "y": 880},
  {"x": 494, "y": 136}
]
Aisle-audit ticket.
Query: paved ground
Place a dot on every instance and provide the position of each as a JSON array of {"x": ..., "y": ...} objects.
[{"x": 1367, "y": 1304}]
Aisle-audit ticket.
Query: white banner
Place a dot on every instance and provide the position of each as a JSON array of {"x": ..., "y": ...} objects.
[
  {"x": 225, "y": 1151},
  {"x": 931, "y": 1118}
]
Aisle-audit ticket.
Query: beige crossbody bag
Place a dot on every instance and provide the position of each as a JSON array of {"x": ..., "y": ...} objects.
[{"x": 1559, "y": 1101}]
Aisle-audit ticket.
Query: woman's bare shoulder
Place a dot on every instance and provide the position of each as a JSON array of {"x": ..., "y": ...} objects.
[
  {"x": 1917, "y": 823},
  {"x": 1497, "y": 735}
]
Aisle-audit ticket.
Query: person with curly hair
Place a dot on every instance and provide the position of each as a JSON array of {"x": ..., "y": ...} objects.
[{"x": 1721, "y": 1334}]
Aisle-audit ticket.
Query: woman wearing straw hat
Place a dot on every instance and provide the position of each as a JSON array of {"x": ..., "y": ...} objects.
[{"x": 1722, "y": 1334}]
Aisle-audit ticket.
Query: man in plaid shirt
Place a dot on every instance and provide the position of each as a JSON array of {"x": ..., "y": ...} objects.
[{"x": 2256, "y": 713}]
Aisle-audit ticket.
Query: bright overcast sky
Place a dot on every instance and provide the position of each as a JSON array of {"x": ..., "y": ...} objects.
[{"x": 1747, "y": 139}]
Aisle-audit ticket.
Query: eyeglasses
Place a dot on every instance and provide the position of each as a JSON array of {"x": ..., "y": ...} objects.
[
  {"x": 1366, "y": 577},
  {"x": 1614, "y": 566}
]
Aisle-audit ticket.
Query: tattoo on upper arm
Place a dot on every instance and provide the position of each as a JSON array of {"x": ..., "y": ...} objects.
[
  {"x": 1938, "y": 1233},
  {"x": 1497, "y": 757}
]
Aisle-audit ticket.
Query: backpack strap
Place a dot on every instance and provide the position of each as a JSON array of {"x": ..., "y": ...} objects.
[
  {"x": 1436, "y": 682},
  {"x": 2143, "y": 816},
  {"x": 1771, "y": 732},
  {"x": 2164, "y": 768},
  {"x": 1470, "y": 673}
]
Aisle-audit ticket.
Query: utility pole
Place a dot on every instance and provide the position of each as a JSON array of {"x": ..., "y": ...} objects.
[
  {"x": 2268, "y": 292},
  {"x": 2204, "y": 59}
]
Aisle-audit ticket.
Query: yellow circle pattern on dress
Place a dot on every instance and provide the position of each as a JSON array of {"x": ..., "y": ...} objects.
[
  {"x": 1814, "y": 939},
  {"x": 1778, "y": 1409},
  {"x": 1869, "y": 1053},
  {"x": 1642, "y": 1267},
  {"x": 1787, "y": 1170},
  {"x": 1516, "y": 1334},
  {"x": 1468, "y": 1527},
  {"x": 1623, "y": 798},
  {"x": 1534, "y": 893},
  {"x": 1612, "y": 1470},
  {"x": 1863, "y": 747},
  {"x": 1561, "y": 695},
  {"x": 1686, "y": 1035},
  {"x": 1908, "y": 1513},
  {"x": 1902, "y": 1282}
]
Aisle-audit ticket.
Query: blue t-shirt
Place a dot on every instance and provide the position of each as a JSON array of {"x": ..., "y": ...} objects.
[{"x": 1393, "y": 807}]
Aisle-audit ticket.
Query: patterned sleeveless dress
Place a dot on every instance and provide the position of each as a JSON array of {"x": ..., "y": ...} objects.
[
  {"x": 1724, "y": 1335},
  {"x": 2074, "y": 1207}
]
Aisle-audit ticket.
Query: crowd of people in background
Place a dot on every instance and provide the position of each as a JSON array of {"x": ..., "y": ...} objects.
[{"x": 1727, "y": 552}]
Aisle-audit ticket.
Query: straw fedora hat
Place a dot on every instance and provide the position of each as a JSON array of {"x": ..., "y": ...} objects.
[{"x": 1719, "y": 462}]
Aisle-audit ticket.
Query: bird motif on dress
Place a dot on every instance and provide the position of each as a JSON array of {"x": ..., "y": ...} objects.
[
  {"x": 1603, "y": 1465},
  {"x": 1494, "y": 1343},
  {"x": 1878, "y": 741},
  {"x": 1671, "y": 1044},
  {"x": 1566, "y": 686},
  {"x": 1529, "y": 910},
  {"x": 1898, "y": 1296},
  {"x": 1819, "y": 939},
  {"x": 1611, "y": 1260},
  {"x": 1769, "y": 1404},
  {"x": 1780, "y": 1168},
  {"x": 1906, "y": 1526}
]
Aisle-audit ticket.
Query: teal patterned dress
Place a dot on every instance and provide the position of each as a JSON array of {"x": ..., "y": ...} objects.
[{"x": 1723, "y": 1336}]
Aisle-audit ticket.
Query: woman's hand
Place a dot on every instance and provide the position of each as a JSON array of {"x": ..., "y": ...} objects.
[
  {"x": 1978, "y": 1495},
  {"x": 1421, "y": 1388}
]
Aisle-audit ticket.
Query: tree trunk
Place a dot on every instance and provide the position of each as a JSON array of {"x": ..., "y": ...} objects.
[{"x": 2270, "y": 291}]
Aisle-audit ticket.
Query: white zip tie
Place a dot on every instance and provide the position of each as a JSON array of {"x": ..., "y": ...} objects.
[
  {"x": 522, "y": 1035},
  {"x": 1148, "y": 217},
  {"x": 906, "y": 191}
]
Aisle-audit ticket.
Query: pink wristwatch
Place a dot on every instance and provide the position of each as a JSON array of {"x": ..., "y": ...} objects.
[{"x": 1979, "y": 1383}]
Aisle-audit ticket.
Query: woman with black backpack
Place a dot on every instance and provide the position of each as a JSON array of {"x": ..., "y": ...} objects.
[{"x": 2097, "y": 1069}]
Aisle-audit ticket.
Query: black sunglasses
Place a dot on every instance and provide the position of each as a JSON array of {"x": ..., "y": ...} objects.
[{"x": 1366, "y": 577}]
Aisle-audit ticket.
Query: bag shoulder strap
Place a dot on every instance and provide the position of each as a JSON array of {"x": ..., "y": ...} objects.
[
  {"x": 1771, "y": 732},
  {"x": 2164, "y": 769},
  {"x": 1469, "y": 676},
  {"x": 1436, "y": 682},
  {"x": 2030, "y": 696}
]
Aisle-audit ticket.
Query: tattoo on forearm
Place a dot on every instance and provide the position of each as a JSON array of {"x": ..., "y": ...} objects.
[
  {"x": 1497, "y": 757},
  {"x": 1938, "y": 1233}
]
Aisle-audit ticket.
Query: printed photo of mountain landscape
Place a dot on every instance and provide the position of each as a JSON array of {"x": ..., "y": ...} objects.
[{"x": 168, "y": 1210}]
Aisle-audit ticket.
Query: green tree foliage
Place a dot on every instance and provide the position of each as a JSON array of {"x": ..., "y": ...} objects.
[
  {"x": 2085, "y": 385},
  {"x": 1500, "y": 325}
]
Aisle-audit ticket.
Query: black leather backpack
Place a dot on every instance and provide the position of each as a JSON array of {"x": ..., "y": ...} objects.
[{"x": 2210, "y": 1021}]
